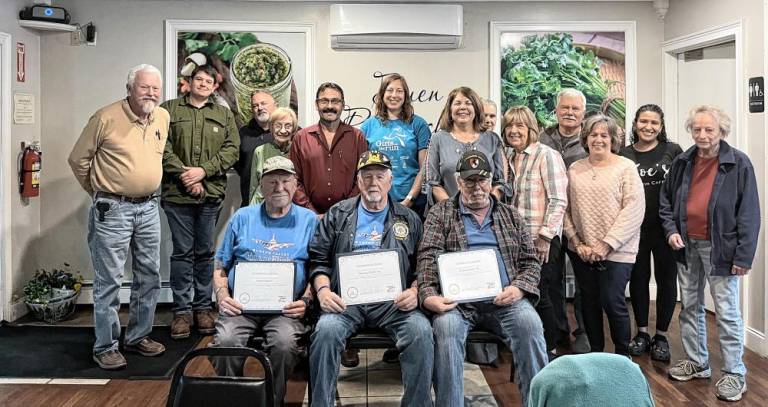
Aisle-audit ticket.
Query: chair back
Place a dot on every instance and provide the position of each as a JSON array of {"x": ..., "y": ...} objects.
[{"x": 224, "y": 391}]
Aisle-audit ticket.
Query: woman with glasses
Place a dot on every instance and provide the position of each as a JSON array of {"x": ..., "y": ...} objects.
[
  {"x": 283, "y": 125},
  {"x": 603, "y": 229},
  {"x": 461, "y": 129},
  {"x": 403, "y": 136}
]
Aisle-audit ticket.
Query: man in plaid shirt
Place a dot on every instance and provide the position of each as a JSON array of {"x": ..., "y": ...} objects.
[{"x": 473, "y": 219}]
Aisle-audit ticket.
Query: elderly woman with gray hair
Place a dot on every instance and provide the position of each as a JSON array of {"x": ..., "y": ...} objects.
[
  {"x": 602, "y": 225},
  {"x": 710, "y": 211}
]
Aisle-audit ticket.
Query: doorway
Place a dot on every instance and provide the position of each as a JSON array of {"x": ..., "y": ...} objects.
[
  {"x": 5, "y": 173},
  {"x": 706, "y": 68}
]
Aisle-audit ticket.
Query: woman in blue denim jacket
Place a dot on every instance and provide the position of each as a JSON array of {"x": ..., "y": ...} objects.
[{"x": 710, "y": 210}]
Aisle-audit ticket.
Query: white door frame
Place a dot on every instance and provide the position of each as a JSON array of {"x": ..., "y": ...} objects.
[
  {"x": 6, "y": 177},
  {"x": 734, "y": 31},
  {"x": 763, "y": 350}
]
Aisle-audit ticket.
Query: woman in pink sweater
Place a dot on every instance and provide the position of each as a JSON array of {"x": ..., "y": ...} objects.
[{"x": 602, "y": 226}]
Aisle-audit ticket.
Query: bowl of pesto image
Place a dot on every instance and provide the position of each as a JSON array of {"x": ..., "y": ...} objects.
[{"x": 261, "y": 66}]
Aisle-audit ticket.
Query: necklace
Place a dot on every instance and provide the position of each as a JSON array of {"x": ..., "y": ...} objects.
[{"x": 594, "y": 174}]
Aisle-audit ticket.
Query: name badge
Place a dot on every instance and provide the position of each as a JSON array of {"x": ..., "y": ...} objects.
[{"x": 215, "y": 129}]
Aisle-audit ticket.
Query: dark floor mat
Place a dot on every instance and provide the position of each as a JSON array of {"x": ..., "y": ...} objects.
[{"x": 65, "y": 352}]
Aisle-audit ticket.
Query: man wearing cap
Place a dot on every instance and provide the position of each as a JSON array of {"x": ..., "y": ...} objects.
[
  {"x": 274, "y": 230},
  {"x": 371, "y": 221},
  {"x": 474, "y": 219}
]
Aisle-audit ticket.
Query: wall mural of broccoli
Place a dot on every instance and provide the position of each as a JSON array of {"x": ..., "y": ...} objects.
[{"x": 534, "y": 72}]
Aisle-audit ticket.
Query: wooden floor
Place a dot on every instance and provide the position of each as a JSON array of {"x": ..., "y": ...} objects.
[{"x": 666, "y": 393}]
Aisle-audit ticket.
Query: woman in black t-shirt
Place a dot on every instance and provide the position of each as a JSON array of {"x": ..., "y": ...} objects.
[{"x": 653, "y": 154}]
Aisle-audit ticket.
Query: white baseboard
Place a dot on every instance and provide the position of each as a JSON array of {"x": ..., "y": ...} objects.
[
  {"x": 756, "y": 342},
  {"x": 86, "y": 294}
]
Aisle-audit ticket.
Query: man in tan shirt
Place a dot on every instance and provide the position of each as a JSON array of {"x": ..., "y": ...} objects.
[{"x": 118, "y": 161}]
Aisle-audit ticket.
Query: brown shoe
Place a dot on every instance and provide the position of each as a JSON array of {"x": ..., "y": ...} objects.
[
  {"x": 180, "y": 326},
  {"x": 146, "y": 347},
  {"x": 205, "y": 322},
  {"x": 110, "y": 360}
]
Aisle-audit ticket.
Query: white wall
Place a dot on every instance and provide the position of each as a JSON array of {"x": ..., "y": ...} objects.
[
  {"x": 690, "y": 16},
  {"x": 25, "y": 215},
  {"x": 79, "y": 80}
]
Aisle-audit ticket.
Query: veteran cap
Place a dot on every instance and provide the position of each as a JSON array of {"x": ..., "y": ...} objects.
[
  {"x": 369, "y": 158},
  {"x": 278, "y": 163},
  {"x": 473, "y": 162}
]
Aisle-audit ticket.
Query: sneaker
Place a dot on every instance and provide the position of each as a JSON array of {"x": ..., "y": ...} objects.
[
  {"x": 391, "y": 356},
  {"x": 205, "y": 322},
  {"x": 686, "y": 370},
  {"x": 350, "y": 358},
  {"x": 659, "y": 349},
  {"x": 181, "y": 325},
  {"x": 581, "y": 344},
  {"x": 110, "y": 360},
  {"x": 730, "y": 387},
  {"x": 640, "y": 344},
  {"x": 146, "y": 347}
]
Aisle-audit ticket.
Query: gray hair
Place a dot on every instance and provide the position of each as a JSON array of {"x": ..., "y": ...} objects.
[
  {"x": 264, "y": 91},
  {"x": 613, "y": 130},
  {"x": 574, "y": 93},
  {"x": 141, "y": 68},
  {"x": 492, "y": 103},
  {"x": 722, "y": 119}
]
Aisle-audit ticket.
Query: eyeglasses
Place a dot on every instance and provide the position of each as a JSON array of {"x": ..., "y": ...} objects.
[
  {"x": 326, "y": 102},
  {"x": 279, "y": 127},
  {"x": 473, "y": 183}
]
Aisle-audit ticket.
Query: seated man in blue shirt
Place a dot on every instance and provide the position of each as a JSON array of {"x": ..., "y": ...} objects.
[
  {"x": 371, "y": 221},
  {"x": 274, "y": 230}
]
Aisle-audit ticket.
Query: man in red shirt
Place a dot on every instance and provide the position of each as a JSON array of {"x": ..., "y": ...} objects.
[{"x": 325, "y": 154}]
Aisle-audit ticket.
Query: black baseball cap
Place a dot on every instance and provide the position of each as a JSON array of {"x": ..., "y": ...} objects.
[
  {"x": 370, "y": 158},
  {"x": 473, "y": 162}
]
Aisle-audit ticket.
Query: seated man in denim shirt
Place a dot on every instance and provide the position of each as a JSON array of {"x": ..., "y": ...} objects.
[{"x": 474, "y": 219}]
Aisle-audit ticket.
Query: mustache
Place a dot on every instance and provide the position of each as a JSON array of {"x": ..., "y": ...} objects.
[{"x": 329, "y": 110}]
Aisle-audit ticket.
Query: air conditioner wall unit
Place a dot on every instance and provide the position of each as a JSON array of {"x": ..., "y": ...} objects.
[{"x": 396, "y": 26}]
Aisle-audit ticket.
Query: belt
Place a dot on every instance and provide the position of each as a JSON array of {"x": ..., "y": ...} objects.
[{"x": 131, "y": 199}]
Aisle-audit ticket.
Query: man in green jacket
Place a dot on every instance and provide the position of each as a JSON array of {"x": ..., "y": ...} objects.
[{"x": 203, "y": 143}]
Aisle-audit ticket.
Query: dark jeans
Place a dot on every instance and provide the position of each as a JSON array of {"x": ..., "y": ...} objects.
[
  {"x": 602, "y": 287},
  {"x": 193, "y": 228},
  {"x": 558, "y": 294},
  {"x": 665, "y": 273},
  {"x": 551, "y": 293}
]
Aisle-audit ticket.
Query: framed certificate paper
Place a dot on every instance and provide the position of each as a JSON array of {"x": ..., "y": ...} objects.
[
  {"x": 469, "y": 276},
  {"x": 370, "y": 277},
  {"x": 264, "y": 287}
]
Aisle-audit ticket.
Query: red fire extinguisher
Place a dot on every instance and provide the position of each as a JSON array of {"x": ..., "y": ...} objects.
[{"x": 29, "y": 175}]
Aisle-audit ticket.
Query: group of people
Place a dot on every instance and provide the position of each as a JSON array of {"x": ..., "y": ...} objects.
[{"x": 314, "y": 194}]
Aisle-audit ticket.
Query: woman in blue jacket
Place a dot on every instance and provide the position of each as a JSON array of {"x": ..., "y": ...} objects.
[{"x": 711, "y": 214}]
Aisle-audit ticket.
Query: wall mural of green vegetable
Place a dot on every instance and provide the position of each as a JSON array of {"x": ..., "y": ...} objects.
[{"x": 533, "y": 73}]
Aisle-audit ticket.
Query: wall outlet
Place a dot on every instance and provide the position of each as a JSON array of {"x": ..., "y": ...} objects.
[{"x": 75, "y": 37}]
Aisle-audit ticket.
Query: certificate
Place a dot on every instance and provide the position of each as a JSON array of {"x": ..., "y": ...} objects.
[
  {"x": 264, "y": 287},
  {"x": 469, "y": 276},
  {"x": 370, "y": 277}
]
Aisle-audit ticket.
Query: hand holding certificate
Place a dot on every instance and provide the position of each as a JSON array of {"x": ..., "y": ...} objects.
[
  {"x": 264, "y": 287},
  {"x": 370, "y": 277},
  {"x": 468, "y": 276}
]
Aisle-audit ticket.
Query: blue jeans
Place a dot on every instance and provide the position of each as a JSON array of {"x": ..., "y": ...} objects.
[
  {"x": 412, "y": 335},
  {"x": 725, "y": 293},
  {"x": 193, "y": 231},
  {"x": 517, "y": 324},
  {"x": 125, "y": 226}
]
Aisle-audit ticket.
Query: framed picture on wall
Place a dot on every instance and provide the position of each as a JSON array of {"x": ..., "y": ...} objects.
[
  {"x": 531, "y": 62},
  {"x": 274, "y": 56}
]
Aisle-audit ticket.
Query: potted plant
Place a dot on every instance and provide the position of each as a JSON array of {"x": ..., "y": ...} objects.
[{"x": 51, "y": 295}]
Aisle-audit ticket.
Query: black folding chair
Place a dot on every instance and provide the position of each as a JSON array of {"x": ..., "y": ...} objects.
[{"x": 224, "y": 391}]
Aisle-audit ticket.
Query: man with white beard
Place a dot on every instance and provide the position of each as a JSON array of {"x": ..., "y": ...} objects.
[
  {"x": 254, "y": 134},
  {"x": 118, "y": 161}
]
